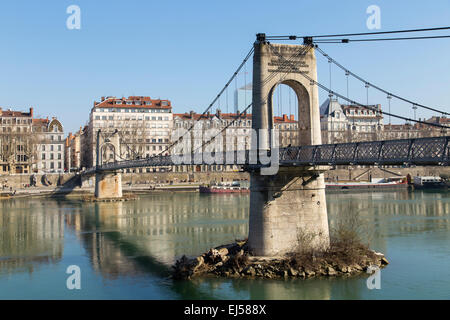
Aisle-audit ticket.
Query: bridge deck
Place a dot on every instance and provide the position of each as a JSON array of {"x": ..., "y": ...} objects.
[{"x": 421, "y": 151}]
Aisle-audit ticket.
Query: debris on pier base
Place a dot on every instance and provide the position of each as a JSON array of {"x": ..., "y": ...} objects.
[{"x": 234, "y": 260}]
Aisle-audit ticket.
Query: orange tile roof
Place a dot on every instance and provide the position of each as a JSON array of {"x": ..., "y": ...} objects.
[
  {"x": 9, "y": 113},
  {"x": 110, "y": 102},
  {"x": 41, "y": 121}
]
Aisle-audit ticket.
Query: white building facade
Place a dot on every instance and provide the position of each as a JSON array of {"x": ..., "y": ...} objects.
[
  {"x": 144, "y": 126},
  {"x": 350, "y": 123}
]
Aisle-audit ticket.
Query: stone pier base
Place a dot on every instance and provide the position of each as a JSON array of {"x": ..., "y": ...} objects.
[
  {"x": 108, "y": 185},
  {"x": 288, "y": 212}
]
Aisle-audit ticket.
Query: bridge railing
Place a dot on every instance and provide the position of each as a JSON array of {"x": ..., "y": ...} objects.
[{"x": 420, "y": 151}]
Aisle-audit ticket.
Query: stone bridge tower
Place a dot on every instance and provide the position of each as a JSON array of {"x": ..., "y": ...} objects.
[
  {"x": 108, "y": 184},
  {"x": 287, "y": 208}
]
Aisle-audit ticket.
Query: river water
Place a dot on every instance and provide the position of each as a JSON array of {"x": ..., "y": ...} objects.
[{"x": 125, "y": 250}]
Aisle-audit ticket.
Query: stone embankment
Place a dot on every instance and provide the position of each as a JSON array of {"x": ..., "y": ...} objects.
[{"x": 235, "y": 261}]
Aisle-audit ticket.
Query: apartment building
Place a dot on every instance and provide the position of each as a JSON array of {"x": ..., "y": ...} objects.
[
  {"x": 50, "y": 147},
  {"x": 28, "y": 144},
  {"x": 237, "y": 135},
  {"x": 344, "y": 123},
  {"x": 144, "y": 126},
  {"x": 73, "y": 150}
]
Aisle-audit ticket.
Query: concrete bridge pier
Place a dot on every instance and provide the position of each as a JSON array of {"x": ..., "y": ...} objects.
[
  {"x": 288, "y": 212},
  {"x": 108, "y": 184}
]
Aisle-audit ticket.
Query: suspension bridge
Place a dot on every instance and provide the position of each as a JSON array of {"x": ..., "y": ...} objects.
[{"x": 288, "y": 203}]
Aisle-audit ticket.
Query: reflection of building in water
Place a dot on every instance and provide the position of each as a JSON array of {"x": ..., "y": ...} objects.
[
  {"x": 157, "y": 229},
  {"x": 169, "y": 226},
  {"x": 32, "y": 232}
]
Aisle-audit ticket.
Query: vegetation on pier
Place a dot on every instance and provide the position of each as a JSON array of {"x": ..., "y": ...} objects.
[{"x": 346, "y": 255}]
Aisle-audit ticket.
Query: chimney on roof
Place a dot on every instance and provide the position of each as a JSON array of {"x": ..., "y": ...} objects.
[
  {"x": 103, "y": 99},
  {"x": 31, "y": 112},
  {"x": 208, "y": 114},
  {"x": 291, "y": 117},
  {"x": 218, "y": 113},
  {"x": 285, "y": 117},
  {"x": 191, "y": 114},
  {"x": 244, "y": 113}
]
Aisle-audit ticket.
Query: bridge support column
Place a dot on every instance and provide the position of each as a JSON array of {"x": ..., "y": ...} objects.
[
  {"x": 287, "y": 212},
  {"x": 108, "y": 185}
]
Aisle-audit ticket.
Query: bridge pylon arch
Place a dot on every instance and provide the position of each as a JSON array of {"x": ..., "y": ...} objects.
[{"x": 287, "y": 209}]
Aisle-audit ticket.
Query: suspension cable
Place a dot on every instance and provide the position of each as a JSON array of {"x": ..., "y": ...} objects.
[
  {"x": 249, "y": 54},
  {"x": 268, "y": 78},
  {"x": 294, "y": 37},
  {"x": 362, "y": 105},
  {"x": 377, "y": 87}
]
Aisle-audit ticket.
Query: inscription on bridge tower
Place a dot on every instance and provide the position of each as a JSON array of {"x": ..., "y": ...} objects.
[
  {"x": 287, "y": 210},
  {"x": 288, "y": 60}
]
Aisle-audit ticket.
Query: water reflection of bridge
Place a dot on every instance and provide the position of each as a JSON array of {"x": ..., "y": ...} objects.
[{"x": 142, "y": 238}]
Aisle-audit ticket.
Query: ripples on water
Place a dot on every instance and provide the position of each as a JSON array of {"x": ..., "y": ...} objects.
[{"x": 125, "y": 249}]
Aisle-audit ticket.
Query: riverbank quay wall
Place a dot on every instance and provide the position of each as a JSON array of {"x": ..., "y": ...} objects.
[{"x": 19, "y": 181}]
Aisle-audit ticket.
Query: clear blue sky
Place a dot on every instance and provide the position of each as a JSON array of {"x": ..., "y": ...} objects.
[{"x": 186, "y": 50}]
